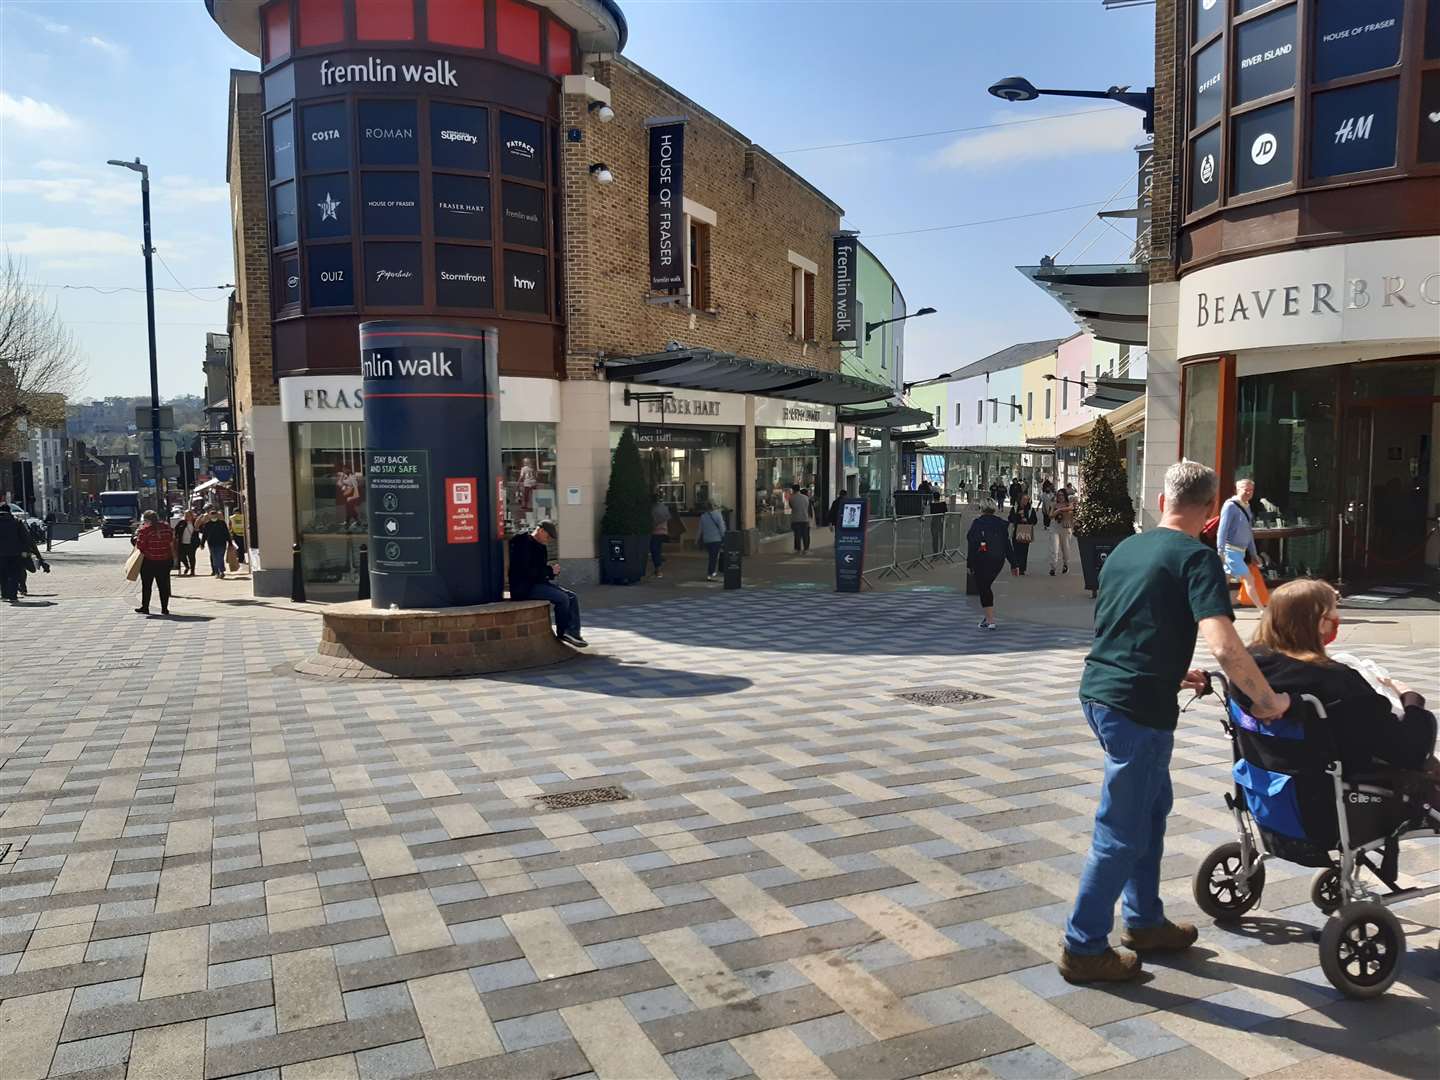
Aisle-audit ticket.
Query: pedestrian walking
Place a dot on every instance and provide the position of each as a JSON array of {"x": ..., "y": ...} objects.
[
  {"x": 1157, "y": 589},
  {"x": 1023, "y": 520},
  {"x": 237, "y": 535},
  {"x": 997, "y": 493},
  {"x": 1017, "y": 488},
  {"x": 712, "y": 535},
  {"x": 800, "y": 517},
  {"x": 532, "y": 577},
  {"x": 1062, "y": 519},
  {"x": 1046, "y": 504},
  {"x": 832, "y": 516},
  {"x": 215, "y": 535},
  {"x": 156, "y": 542},
  {"x": 17, "y": 546},
  {"x": 989, "y": 550},
  {"x": 1235, "y": 543},
  {"x": 659, "y": 532},
  {"x": 187, "y": 540}
]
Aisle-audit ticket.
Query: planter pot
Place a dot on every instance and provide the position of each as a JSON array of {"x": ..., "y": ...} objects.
[
  {"x": 1094, "y": 550},
  {"x": 622, "y": 559}
]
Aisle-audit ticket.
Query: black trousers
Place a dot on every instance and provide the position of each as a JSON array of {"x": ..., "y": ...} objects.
[
  {"x": 712, "y": 550},
  {"x": 155, "y": 572},
  {"x": 11, "y": 570},
  {"x": 986, "y": 571},
  {"x": 801, "y": 529},
  {"x": 1022, "y": 556},
  {"x": 187, "y": 556}
]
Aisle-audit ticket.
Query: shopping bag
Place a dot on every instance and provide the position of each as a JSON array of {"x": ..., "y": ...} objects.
[
  {"x": 232, "y": 561},
  {"x": 132, "y": 565}
]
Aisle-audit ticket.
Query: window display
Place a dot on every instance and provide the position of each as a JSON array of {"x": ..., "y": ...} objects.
[
  {"x": 330, "y": 522},
  {"x": 691, "y": 468},
  {"x": 527, "y": 459},
  {"x": 786, "y": 456}
]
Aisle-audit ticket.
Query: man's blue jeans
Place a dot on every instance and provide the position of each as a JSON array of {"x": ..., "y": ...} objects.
[
  {"x": 1129, "y": 838},
  {"x": 566, "y": 604}
]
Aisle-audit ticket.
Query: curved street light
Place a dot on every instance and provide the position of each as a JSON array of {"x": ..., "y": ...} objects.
[
  {"x": 871, "y": 327},
  {"x": 1019, "y": 88}
]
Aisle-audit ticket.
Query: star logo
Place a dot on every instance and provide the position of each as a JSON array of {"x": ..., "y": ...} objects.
[{"x": 329, "y": 208}]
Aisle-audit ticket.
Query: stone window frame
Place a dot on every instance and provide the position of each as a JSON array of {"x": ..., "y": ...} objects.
[
  {"x": 803, "y": 275},
  {"x": 698, "y": 216}
]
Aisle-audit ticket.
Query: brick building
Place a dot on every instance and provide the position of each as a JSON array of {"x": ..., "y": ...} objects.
[
  {"x": 527, "y": 208},
  {"x": 1294, "y": 308}
]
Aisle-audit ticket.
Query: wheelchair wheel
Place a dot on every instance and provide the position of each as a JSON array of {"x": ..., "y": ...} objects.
[
  {"x": 1361, "y": 949},
  {"x": 1218, "y": 893},
  {"x": 1325, "y": 890}
]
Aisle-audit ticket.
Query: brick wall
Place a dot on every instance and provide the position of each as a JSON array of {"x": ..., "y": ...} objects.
[
  {"x": 1167, "y": 201},
  {"x": 250, "y": 335},
  {"x": 762, "y": 210}
]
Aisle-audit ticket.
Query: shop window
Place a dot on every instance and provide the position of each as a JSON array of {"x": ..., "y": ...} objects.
[
  {"x": 456, "y": 22},
  {"x": 802, "y": 304},
  {"x": 786, "y": 456},
  {"x": 283, "y": 226},
  {"x": 322, "y": 22},
  {"x": 517, "y": 30},
  {"x": 459, "y": 137},
  {"x": 327, "y": 206},
  {"x": 698, "y": 265},
  {"x": 385, "y": 20},
  {"x": 330, "y": 521},
  {"x": 463, "y": 277},
  {"x": 387, "y": 133},
  {"x": 1353, "y": 130},
  {"x": 330, "y": 278},
  {"x": 522, "y": 151},
  {"x": 277, "y": 31},
  {"x": 392, "y": 203},
  {"x": 528, "y": 463},
  {"x": 462, "y": 207},
  {"x": 327, "y": 136},
  {"x": 560, "y": 43},
  {"x": 1202, "y": 411},
  {"x": 527, "y": 287},
  {"x": 393, "y": 275},
  {"x": 1262, "y": 147},
  {"x": 1265, "y": 55},
  {"x": 1348, "y": 44},
  {"x": 522, "y": 212}
]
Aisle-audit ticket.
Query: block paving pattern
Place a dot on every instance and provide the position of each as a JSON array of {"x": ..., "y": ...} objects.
[{"x": 219, "y": 868}]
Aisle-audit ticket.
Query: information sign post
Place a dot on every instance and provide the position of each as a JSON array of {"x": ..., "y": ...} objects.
[{"x": 850, "y": 544}]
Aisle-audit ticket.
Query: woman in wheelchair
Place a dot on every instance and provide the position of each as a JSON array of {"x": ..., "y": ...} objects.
[{"x": 1289, "y": 648}]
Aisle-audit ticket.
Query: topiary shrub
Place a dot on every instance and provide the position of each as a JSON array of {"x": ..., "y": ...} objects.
[
  {"x": 1105, "y": 506},
  {"x": 628, "y": 498}
]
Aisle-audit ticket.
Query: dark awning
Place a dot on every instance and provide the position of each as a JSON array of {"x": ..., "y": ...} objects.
[
  {"x": 1112, "y": 393},
  {"x": 1112, "y": 301},
  {"x": 885, "y": 416},
  {"x": 917, "y": 435},
  {"x": 706, "y": 369}
]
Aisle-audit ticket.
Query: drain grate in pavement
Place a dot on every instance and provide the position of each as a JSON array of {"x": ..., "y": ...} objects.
[
  {"x": 943, "y": 695},
  {"x": 569, "y": 800},
  {"x": 116, "y": 665}
]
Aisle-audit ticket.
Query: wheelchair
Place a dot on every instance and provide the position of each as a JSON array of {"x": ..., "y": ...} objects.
[{"x": 1293, "y": 801}]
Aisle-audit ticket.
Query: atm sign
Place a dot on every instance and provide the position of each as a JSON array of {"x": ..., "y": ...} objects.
[{"x": 461, "y": 524}]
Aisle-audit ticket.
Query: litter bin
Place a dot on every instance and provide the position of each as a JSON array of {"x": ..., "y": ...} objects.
[{"x": 732, "y": 558}]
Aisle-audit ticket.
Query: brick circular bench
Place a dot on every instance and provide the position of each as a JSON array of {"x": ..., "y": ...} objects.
[{"x": 361, "y": 642}]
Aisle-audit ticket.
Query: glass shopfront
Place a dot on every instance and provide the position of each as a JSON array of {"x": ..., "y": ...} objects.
[
  {"x": 527, "y": 458},
  {"x": 691, "y": 467},
  {"x": 328, "y": 459},
  {"x": 786, "y": 456}
]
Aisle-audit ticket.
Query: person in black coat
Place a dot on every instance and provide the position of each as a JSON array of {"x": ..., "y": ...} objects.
[
  {"x": 17, "y": 545},
  {"x": 1023, "y": 520},
  {"x": 532, "y": 577},
  {"x": 989, "y": 550}
]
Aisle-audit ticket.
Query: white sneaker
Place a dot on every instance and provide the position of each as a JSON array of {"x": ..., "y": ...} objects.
[{"x": 986, "y": 625}]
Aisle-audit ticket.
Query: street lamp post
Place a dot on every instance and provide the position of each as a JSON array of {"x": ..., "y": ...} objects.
[
  {"x": 148, "y": 251},
  {"x": 871, "y": 327},
  {"x": 1017, "y": 88}
]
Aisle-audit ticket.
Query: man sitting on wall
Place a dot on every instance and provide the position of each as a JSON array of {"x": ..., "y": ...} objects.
[{"x": 532, "y": 577}]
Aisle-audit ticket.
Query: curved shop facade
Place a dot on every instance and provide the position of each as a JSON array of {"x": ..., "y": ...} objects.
[{"x": 1307, "y": 307}]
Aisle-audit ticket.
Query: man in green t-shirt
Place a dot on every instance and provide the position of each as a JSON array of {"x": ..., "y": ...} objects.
[{"x": 1156, "y": 590}]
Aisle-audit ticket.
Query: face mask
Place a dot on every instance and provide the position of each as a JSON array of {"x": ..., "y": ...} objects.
[{"x": 1327, "y": 637}]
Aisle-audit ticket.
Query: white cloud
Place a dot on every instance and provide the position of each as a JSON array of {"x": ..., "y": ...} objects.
[
  {"x": 1069, "y": 135},
  {"x": 108, "y": 47},
  {"x": 68, "y": 245},
  {"x": 33, "y": 115},
  {"x": 187, "y": 191}
]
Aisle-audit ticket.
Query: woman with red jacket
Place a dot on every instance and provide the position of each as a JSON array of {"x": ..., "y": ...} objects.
[{"x": 156, "y": 541}]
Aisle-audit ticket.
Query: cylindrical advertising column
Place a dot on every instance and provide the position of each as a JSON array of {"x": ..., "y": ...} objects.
[{"x": 432, "y": 464}]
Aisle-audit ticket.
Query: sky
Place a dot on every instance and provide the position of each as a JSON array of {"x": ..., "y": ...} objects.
[{"x": 83, "y": 81}]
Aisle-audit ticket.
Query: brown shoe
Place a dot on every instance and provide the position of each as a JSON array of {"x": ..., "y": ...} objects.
[
  {"x": 1167, "y": 937},
  {"x": 1108, "y": 966}
]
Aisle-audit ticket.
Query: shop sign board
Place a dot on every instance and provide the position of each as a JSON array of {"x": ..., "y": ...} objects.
[
  {"x": 330, "y": 398},
  {"x": 1384, "y": 290},
  {"x": 667, "y": 198},
  {"x": 699, "y": 407},
  {"x": 399, "y": 503},
  {"x": 778, "y": 413},
  {"x": 844, "y": 264},
  {"x": 850, "y": 545}
]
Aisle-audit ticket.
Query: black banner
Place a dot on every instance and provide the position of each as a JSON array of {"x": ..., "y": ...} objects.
[
  {"x": 846, "y": 295},
  {"x": 667, "y": 201}
]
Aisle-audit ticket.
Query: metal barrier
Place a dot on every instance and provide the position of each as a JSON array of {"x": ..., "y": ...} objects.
[{"x": 900, "y": 546}]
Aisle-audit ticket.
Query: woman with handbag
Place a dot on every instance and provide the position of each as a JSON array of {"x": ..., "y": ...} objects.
[
  {"x": 1022, "y": 533},
  {"x": 216, "y": 536}
]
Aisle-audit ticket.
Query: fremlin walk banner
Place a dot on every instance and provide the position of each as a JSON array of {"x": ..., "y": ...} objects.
[
  {"x": 844, "y": 268},
  {"x": 667, "y": 206}
]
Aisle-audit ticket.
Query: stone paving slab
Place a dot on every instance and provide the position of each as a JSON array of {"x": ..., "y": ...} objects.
[{"x": 218, "y": 867}]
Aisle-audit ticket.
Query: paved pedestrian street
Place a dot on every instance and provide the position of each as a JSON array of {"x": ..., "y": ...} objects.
[{"x": 720, "y": 845}]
